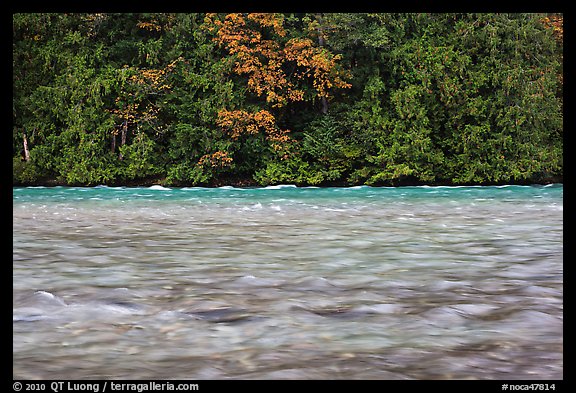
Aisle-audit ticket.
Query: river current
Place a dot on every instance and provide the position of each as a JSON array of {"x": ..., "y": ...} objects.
[{"x": 284, "y": 282}]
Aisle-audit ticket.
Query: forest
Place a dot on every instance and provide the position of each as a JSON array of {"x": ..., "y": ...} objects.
[{"x": 319, "y": 99}]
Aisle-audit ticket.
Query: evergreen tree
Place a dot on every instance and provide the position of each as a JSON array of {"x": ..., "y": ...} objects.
[{"x": 258, "y": 98}]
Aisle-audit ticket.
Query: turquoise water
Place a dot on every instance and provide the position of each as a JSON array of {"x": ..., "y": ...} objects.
[
  {"x": 296, "y": 194},
  {"x": 288, "y": 282}
]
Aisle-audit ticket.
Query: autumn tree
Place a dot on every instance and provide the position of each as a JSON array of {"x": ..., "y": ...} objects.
[
  {"x": 555, "y": 23},
  {"x": 277, "y": 68},
  {"x": 281, "y": 69},
  {"x": 135, "y": 105}
]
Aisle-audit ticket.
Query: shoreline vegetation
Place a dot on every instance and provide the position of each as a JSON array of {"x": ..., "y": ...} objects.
[
  {"x": 249, "y": 183},
  {"x": 311, "y": 99}
]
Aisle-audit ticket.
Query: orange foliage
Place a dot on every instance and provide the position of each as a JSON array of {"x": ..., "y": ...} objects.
[
  {"x": 219, "y": 159},
  {"x": 239, "y": 122},
  {"x": 127, "y": 113},
  {"x": 154, "y": 79},
  {"x": 264, "y": 60},
  {"x": 556, "y": 23},
  {"x": 150, "y": 26},
  {"x": 316, "y": 63},
  {"x": 269, "y": 20},
  {"x": 148, "y": 81}
]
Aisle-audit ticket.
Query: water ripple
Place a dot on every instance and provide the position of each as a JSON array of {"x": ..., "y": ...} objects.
[{"x": 286, "y": 282}]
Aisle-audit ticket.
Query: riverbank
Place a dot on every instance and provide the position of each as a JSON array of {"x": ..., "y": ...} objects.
[{"x": 248, "y": 182}]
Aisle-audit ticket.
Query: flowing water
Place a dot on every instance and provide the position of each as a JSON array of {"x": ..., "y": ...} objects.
[{"x": 285, "y": 282}]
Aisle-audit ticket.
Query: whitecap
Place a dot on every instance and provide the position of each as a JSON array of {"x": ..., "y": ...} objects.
[
  {"x": 50, "y": 296},
  {"x": 280, "y": 186},
  {"x": 120, "y": 308},
  {"x": 313, "y": 283},
  {"x": 44, "y": 293},
  {"x": 257, "y": 281},
  {"x": 384, "y": 308},
  {"x": 474, "y": 309},
  {"x": 158, "y": 187},
  {"x": 252, "y": 207}
]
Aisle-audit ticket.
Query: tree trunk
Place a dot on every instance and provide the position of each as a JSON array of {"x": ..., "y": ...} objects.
[
  {"x": 113, "y": 144},
  {"x": 26, "y": 151},
  {"x": 123, "y": 136},
  {"x": 323, "y": 99},
  {"x": 324, "y": 102}
]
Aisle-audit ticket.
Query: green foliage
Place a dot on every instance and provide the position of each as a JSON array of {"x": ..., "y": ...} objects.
[
  {"x": 24, "y": 172},
  {"x": 435, "y": 98},
  {"x": 140, "y": 158},
  {"x": 291, "y": 171},
  {"x": 185, "y": 173},
  {"x": 330, "y": 148}
]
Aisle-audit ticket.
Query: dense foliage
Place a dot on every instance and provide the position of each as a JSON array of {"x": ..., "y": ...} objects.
[{"x": 319, "y": 99}]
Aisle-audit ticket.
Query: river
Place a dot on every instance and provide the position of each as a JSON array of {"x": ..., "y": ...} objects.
[{"x": 285, "y": 282}]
